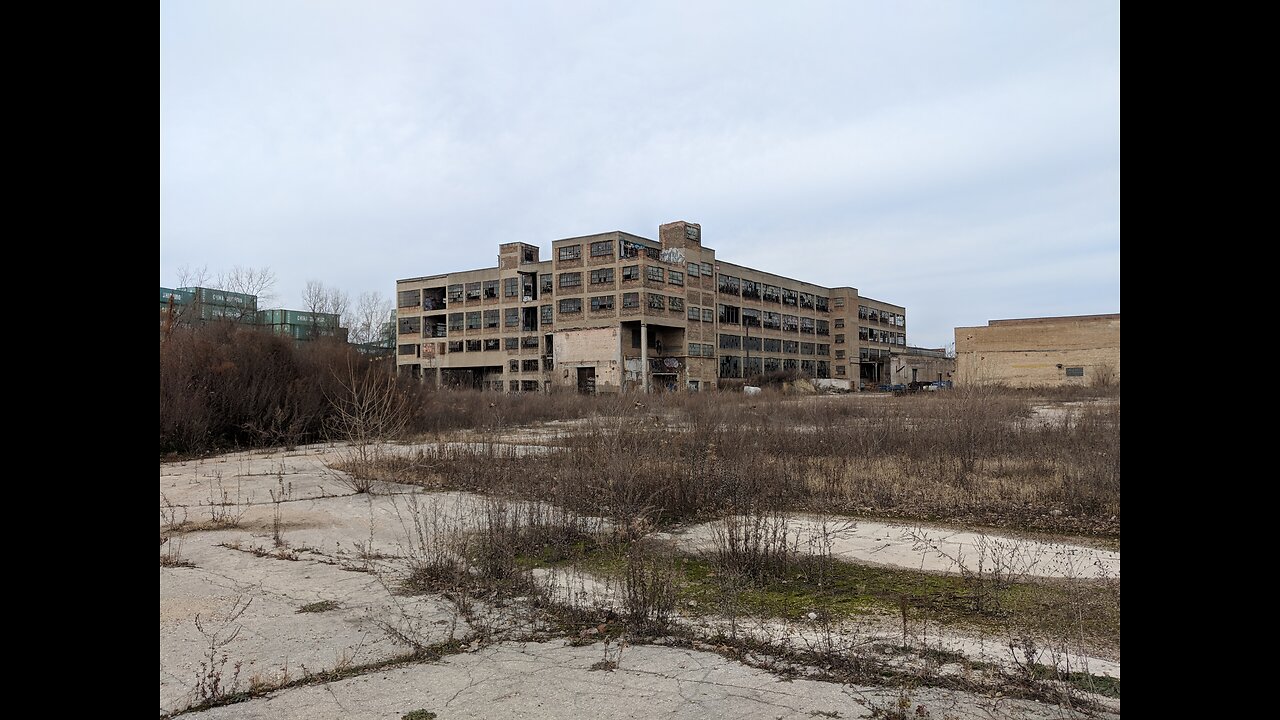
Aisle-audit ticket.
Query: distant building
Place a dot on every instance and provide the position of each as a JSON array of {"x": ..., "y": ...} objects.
[
  {"x": 615, "y": 311},
  {"x": 1033, "y": 352},
  {"x": 920, "y": 365},
  {"x": 199, "y": 306}
]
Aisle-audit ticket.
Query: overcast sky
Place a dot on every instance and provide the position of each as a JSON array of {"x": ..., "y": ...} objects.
[{"x": 958, "y": 158}]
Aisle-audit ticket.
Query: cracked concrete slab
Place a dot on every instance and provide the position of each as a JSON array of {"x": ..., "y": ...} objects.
[
  {"x": 927, "y": 548},
  {"x": 553, "y": 680},
  {"x": 270, "y": 635}
]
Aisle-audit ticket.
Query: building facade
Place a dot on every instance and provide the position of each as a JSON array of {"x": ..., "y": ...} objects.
[
  {"x": 1037, "y": 352},
  {"x": 922, "y": 365},
  {"x": 618, "y": 312}
]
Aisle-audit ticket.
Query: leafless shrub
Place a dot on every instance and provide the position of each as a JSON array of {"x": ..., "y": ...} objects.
[
  {"x": 213, "y": 683},
  {"x": 650, "y": 591}
]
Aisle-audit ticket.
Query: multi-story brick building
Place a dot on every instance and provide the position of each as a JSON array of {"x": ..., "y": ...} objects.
[{"x": 616, "y": 311}]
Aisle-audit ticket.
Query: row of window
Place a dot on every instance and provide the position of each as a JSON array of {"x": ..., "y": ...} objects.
[
  {"x": 752, "y": 290},
  {"x": 490, "y": 344},
  {"x": 600, "y": 303},
  {"x": 530, "y": 365},
  {"x": 738, "y": 342},
  {"x": 733, "y": 366},
  {"x": 883, "y": 336},
  {"x": 867, "y": 313}
]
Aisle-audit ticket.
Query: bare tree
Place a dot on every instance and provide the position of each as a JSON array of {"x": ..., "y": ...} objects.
[
  {"x": 368, "y": 322},
  {"x": 260, "y": 282},
  {"x": 193, "y": 277},
  {"x": 318, "y": 298}
]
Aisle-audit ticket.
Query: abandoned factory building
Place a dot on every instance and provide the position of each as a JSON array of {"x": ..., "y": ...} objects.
[{"x": 618, "y": 312}]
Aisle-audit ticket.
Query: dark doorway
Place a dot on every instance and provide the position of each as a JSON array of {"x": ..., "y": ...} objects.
[{"x": 587, "y": 380}]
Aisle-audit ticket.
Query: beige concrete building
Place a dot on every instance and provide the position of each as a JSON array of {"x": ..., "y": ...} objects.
[
  {"x": 618, "y": 312},
  {"x": 1035, "y": 352},
  {"x": 921, "y": 365}
]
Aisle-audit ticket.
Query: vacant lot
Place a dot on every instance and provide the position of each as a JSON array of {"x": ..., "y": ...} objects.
[{"x": 947, "y": 555}]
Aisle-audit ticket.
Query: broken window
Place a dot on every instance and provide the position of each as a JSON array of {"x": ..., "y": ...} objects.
[
  {"x": 693, "y": 269},
  {"x": 751, "y": 289},
  {"x": 750, "y": 317},
  {"x": 675, "y": 304},
  {"x": 695, "y": 349},
  {"x": 675, "y": 277},
  {"x": 511, "y": 343},
  {"x": 824, "y": 349},
  {"x": 528, "y": 386},
  {"x": 772, "y": 364},
  {"x": 707, "y": 270},
  {"x": 771, "y": 293},
  {"x": 839, "y": 338},
  {"x": 864, "y": 333},
  {"x": 490, "y": 289},
  {"x": 511, "y": 287},
  {"x": 839, "y": 302},
  {"x": 602, "y": 302},
  {"x": 839, "y": 354},
  {"x": 493, "y": 344},
  {"x": 455, "y": 322},
  {"x": 546, "y": 284},
  {"x": 473, "y": 320},
  {"x": 511, "y": 317},
  {"x": 790, "y": 323},
  {"x": 473, "y": 291},
  {"x": 790, "y": 364},
  {"x": 806, "y": 348},
  {"x": 529, "y": 341},
  {"x": 546, "y": 315},
  {"x": 789, "y": 297},
  {"x": 631, "y": 272},
  {"x": 839, "y": 323},
  {"x": 863, "y": 312},
  {"x": 409, "y": 298},
  {"x": 771, "y": 320},
  {"x": 708, "y": 315},
  {"x": 604, "y": 275},
  {"x": 730, "y": 366},
  {"x": 473, "y": 346},
  {"x": 491, "y": 319},
  {"x": 529, "y": 365},
  {"x": 629, "y": 249},
  {"x": 455, "y": 346},
  {"x": 408, "y": 349},
  {"x": 455, "y": 293},
  {"x": 570, "y": 280},
  {"x": 752, "y": 343},
  {"x": 730, "y": 285},
  {"x": 570, "y": 252},
  {"x": 602, "y": 248},
  {"x": 790, "y": 346},
  {"x": 513, "y": 366},
  {"x": 821, "y": 304},
  {"x": 839, "y": 370},
  {"x": 570, "y": 305},
  {"x": 694, "y": 314},
  {"x": 410, "y": 325},
  {"x": 730, "y": 342},
  {"x": 654, "y": 273},
  {"x": 655, "y": 301},
  {"x": 824, "y": 327},
  {"x": 630, "y": 300},
  {"x": 729, "y": 314},
  {"x": 752, "y": 366},
  {"x": 772, "y": 345}
]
